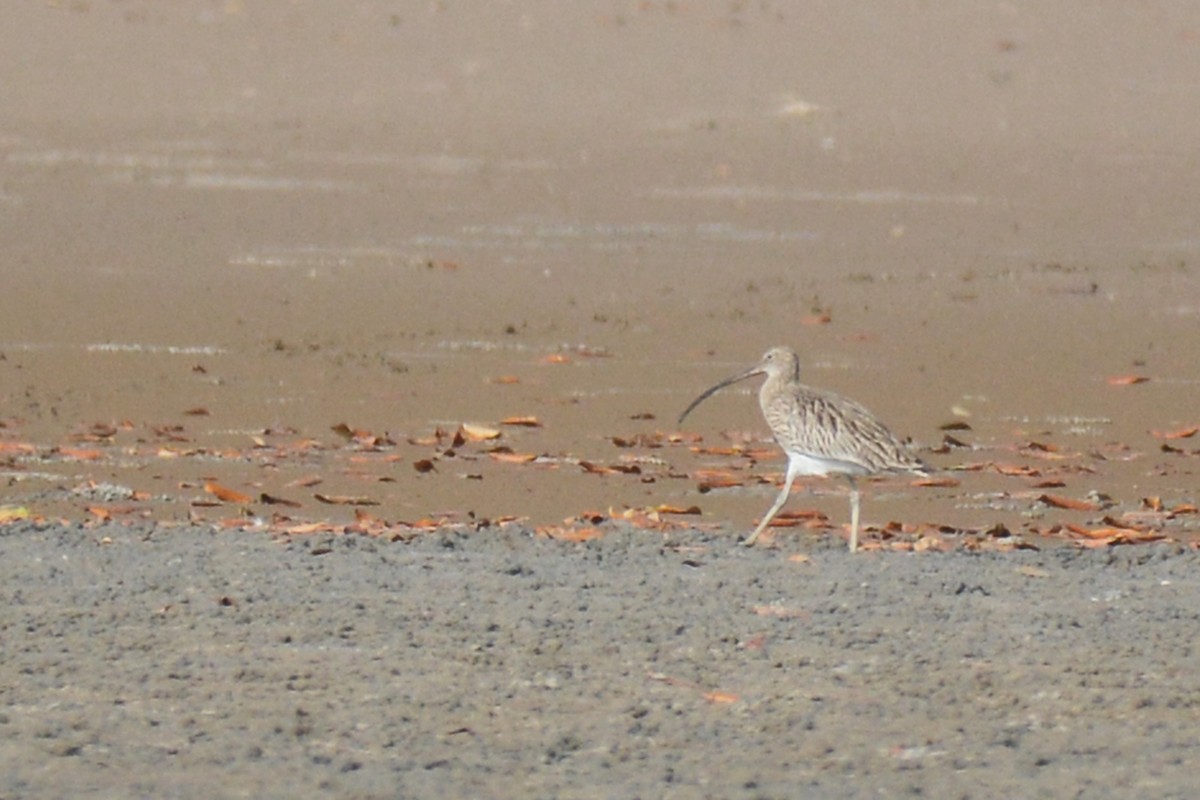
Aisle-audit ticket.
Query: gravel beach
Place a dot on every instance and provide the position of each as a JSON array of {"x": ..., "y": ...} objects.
[{"x": 178, "y": 662}]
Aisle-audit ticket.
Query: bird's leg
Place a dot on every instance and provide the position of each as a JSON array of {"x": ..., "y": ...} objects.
[
  {"x": 792, "y": 471},
  {"x": 853, "y": 513}
]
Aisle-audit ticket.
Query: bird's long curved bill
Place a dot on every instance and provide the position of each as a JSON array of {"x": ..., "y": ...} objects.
[{"x": 707, "y": 393}]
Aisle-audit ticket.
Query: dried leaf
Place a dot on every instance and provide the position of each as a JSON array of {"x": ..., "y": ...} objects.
[
  {"x": 504, "y": 379},
  {"x": 508, "y": 457},
  {"x": 720, "y": 697},
  {"x": 556, "y": 358},
  {"x": 80, "y": 454},
  {"x": 708, "y": 479},
  {"x": 781, "y": 611},
  {"x": 665, "y": 509},
  {"x": 1126, "y": 380},
  {"x": 569, "y": 534},
  {"x": 423, "y": 465},
  {"x": 227, "y": 495},
  {"x": 525, "y": 421},
  {"x": 345, "y": 500},
  {"x": 478, "y": 433},
  {"x": 935, "y": 482},
  {"x": 198, "y": 411},
  {"x": 1058, "y": 501},
  {"x": 271, "y": 500},
  {"x": 13, "y": 514},
  {"x": 1181, "y": 433},
  {"x": 344, "y": 430},
  {"x": 1016, "y": 470}
]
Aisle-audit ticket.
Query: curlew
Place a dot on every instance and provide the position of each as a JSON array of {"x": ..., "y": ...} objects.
[{"x": 821, "y": 432}]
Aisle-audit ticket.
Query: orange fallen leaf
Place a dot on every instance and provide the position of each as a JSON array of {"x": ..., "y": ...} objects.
[
  {"x": 935, "y": 482},
  {"x": 1182, "y": 433},
  {"x": 508, "y": 457},
  {"x": 720, "y": 697},
  {"x": 227, "y": 495},
  {"x": 710, "y": 482},
  {"x": 556, "y": 358},
  {"x": 307, "y": 527},
  {"x": 80, "y": 454},
  {"x": 567, "y": 534},
  {"x": 524, "y": 421},
  {"x": 1017, "y": 470},
  {"x": 1126, "y": 380},
  {"x": 1058, "y": 501},
  {"x": 17, "y": 447}
]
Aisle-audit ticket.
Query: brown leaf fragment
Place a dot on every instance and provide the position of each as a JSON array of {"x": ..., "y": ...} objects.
[
  {"x": 198, "y": 411},
  {"x": 642, "y": 415},
  {"x": 709, "y": 479},
  {"x": 1058, "y": 501},
  {"x": 227, "y": 495},
  {"x": 343, "y": 430},
  {"x": 80, "y": 453},
  {"x": 956, "y": 425},
  {"x": 667, "y": 509},
  {"x": 1017, "y": 470},
  {"x": 509, "y": 457},
  {"x": 1152, "y": 503},
  {"x": 423, "y": 465},
  {"x": 718, "y": 697},
  {"x": 568, "y": 533},
  {"x": 345, "y": 500},
  {"x": 781, "y": 611},
  {"x": 307, "y": 481},
  {"x": 935, "y": 482},
  {"x": 523, "y": 421},
  {"x": 477, "y": 433},
  {"x": 1181, "y": 433},
  {"x": 1126, "y": 380},
  {"x": 272, "y": 500}
]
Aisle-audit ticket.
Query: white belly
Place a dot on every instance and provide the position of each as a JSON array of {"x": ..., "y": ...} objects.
[{"x": 804, "y": 464}]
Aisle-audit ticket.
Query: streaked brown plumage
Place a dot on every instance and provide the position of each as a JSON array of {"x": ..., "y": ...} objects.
[{"x": 822, "y": 433}]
